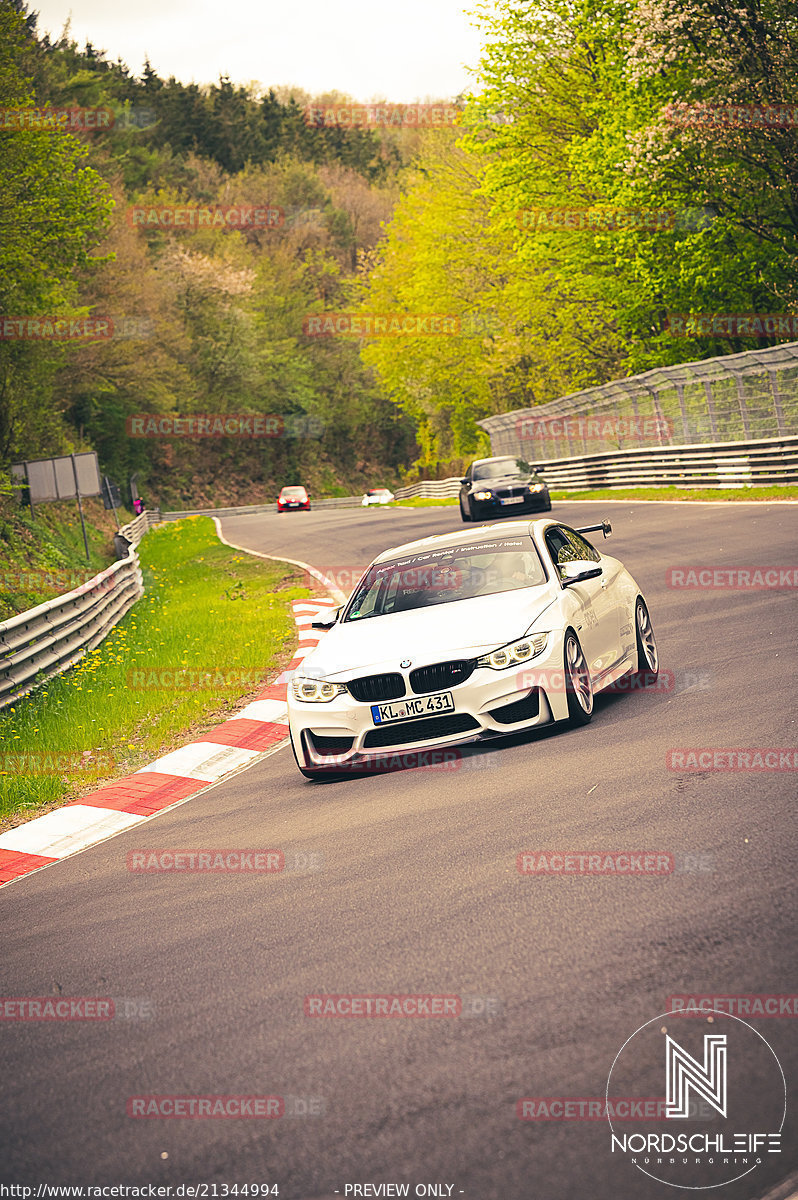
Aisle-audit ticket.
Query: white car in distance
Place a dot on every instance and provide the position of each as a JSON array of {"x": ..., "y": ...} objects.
[{"x": 377, "y": 496}]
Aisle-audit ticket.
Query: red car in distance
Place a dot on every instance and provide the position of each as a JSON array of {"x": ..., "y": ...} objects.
[{"x": 291, "y": 498}]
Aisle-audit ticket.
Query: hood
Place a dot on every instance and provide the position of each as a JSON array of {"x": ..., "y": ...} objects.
[{"x": 460, "y": 629}]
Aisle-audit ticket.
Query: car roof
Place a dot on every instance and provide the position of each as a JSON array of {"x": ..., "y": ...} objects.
[
  {"x": 467, "y": 537},
  {"x": 496, "y": 458}
]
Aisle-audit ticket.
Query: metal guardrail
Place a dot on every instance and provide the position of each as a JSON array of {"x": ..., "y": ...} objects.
[
  {"x": 337, "y": 502},
  {"x": 722, "y": 465},
  {"x": 247, "y": 510},
  {"x": 135, "y": 530},
  {"x": 430, "y": 489},
  {"x": 46, "y": 640}
]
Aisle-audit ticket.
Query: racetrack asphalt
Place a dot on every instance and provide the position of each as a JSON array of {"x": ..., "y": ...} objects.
[{"x": 416, "y": 890}]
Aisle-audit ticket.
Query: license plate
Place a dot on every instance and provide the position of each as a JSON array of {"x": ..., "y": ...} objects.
[
  {"x": 405, "y": 710},
  {"x": 513, "y": 500}
]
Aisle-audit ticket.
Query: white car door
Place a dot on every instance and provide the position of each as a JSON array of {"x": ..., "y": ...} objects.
[{"x": 596, "y": 617}]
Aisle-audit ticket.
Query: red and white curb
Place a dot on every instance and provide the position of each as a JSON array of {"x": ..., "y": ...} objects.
[{"x": 120, "y": 805}]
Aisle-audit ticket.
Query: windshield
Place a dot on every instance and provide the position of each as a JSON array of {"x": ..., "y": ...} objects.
[
  {"x": 445, "y": 575},
  {"x": 293, "y": 492},
  {"x": 493, "y": 470}
]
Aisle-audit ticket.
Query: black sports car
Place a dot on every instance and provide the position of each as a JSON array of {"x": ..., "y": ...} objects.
[{"x": 501, "y": 487}]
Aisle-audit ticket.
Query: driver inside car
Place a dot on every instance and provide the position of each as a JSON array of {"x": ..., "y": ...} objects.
[{"x": 501, "y": 573}]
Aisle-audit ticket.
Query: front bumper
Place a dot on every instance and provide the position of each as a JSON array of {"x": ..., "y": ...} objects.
[
  {"x": 484, "y": 509},
  {"x": 341, "y": 735}
]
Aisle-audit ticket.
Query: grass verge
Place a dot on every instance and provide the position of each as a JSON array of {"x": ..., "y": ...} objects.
[
  {"x": 419, "y": 502},
  {"x": 212, "y": 627},
  {"x": 775, "y": 492}
]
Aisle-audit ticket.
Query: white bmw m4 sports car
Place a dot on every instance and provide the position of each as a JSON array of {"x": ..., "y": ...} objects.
[{"x": 468, "y": 636}]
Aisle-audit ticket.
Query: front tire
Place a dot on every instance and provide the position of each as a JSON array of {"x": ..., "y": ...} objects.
[
  {"x": 647, "y": 654},
  {"x": 578, "y": 685},
  {"x": 466, "y": 515}
]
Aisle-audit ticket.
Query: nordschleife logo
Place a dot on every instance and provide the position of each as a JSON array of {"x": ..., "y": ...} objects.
[
  {"x": 684, "y": 1073},
  {"x": 725, "y": 1100}
]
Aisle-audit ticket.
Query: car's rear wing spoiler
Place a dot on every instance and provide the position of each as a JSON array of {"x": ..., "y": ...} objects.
[{"x": 605, "y": 527}]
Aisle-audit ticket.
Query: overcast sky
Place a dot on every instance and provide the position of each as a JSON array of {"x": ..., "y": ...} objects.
[{"x": 369, "y": 49}]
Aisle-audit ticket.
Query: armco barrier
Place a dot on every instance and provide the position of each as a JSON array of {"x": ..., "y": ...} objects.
[
  {"x": 46, "y": 640},
  {"x": 136, "y": 529},
  {"x": 435, "y": 489},
  {"x": 247, "y": 510},
  {"x": 722, "y": 465}
]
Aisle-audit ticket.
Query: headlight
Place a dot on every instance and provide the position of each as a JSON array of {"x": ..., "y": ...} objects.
[
  {"x": 315, "y": 691},
  {"x": 538, "y": 487},
  {"x": 516, "y": 652},
  {"x": 483, "y": 495}
]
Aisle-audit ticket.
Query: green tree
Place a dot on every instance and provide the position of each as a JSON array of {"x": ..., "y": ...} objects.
[{"x": 53, "y": 208}]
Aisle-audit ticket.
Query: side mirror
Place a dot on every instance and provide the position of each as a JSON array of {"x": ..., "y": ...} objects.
[
  {"x": 578, "y": 571},
  {"x": 329, "y": 620}
]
